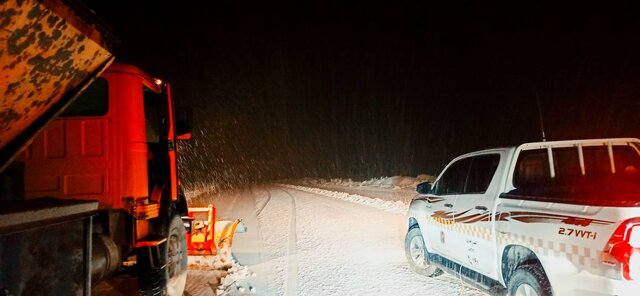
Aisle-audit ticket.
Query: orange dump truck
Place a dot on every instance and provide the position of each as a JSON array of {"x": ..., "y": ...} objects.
[{"x": 88, "y": 174}]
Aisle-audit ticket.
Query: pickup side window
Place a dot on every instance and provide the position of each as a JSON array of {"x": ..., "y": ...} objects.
[
  {"x": 483, "y": 167},
  {"x": 453, "y": 179}
]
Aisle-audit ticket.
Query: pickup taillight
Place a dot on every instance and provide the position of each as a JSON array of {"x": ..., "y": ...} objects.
[{"x": 623, "y": 248}]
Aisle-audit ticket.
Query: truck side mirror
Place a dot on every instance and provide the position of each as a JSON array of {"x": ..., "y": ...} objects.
[
  {"x": 424, "y": 188},
  {"x": 184, "y": 119}
]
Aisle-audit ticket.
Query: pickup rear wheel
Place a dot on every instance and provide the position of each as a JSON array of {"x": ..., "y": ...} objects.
[
  {"x": 529, "y": 280},
  {"x": 417, "y": 255}
]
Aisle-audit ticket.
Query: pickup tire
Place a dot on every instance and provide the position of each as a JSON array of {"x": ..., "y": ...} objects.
[
  {"x": 416, "y": 251},
  {"x": 529, "y": 280},
  {"x": 171, "y": 279}
]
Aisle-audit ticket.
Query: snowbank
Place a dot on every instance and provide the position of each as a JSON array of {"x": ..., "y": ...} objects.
[
  {"x": 221, "y": 271},
  {"x": 397, "y": 207},
  {"x": 395, "y": 182}
]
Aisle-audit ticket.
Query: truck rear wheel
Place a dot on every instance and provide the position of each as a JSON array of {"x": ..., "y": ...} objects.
[
  {"x": 171, "y": 279},
  {"x": 417, "y": 255},
  {"x": 529, "y": 280}
]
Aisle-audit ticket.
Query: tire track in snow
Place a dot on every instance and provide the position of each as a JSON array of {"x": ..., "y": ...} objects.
[
  {"x": 291, "y": 281},
  {"x": 265, "y": 203},
  {"x": 261, "y": 249}
]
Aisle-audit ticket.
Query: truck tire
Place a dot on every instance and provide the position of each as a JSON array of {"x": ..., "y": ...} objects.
[
  {"x": 529, "y": 280},
  {"x": 171, "y": 279},
  {"x": 417, "y": 255}
]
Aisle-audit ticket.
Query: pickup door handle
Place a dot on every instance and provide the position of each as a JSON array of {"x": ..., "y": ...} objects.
[
  {"x": 482, "y": 208},
  {"x": 448, "y": 205}
]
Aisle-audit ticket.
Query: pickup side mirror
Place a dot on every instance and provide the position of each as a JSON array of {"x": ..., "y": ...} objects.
[
  {"x": 184, "y": 119},
  {"x": 424, "y": 188}
]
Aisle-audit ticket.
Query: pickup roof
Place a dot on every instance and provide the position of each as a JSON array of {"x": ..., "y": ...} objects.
[{"x": 547, "y": 218}]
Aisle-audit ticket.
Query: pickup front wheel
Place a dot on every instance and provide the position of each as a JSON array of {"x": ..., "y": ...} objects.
[{"x": 417, "y": 255}]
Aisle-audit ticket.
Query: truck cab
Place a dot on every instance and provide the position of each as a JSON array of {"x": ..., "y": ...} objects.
[
  {"x": 115, "y": 144},
  {"x": 88, "y": 174}
]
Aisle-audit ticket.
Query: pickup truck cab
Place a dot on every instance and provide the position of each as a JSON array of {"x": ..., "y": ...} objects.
[{"x": 546, "y": 218}]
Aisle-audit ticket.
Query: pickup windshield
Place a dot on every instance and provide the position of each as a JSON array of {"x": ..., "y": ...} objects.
[{"x": 590, "y": 175}]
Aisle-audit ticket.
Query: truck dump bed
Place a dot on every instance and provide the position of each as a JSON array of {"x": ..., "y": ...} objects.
[{"x": 50, "y": 50}]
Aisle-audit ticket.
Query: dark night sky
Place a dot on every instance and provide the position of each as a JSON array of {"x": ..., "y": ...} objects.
[{"x": 328, "y": 89}]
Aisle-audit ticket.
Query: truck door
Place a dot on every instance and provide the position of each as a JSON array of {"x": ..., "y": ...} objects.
[
  {"x": 440, "y": 215},
  {"x": 472, "y": 241},
  {"x": 171, "y": 139},
  {"x": 161, "y": 141}
]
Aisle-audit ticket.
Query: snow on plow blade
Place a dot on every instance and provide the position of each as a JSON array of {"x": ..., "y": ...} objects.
[
  {"x": 49, "y": 53},
  {"x": 206, "y": 233}
]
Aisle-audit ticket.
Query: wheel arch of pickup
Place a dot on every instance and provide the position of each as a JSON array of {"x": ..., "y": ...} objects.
[
  {"x": 514, "y": 256},
  {"x": 413, "y": 223}
]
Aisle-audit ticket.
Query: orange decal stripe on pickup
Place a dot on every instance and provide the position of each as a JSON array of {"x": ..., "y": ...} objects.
[{"x": 525, "y": 217}]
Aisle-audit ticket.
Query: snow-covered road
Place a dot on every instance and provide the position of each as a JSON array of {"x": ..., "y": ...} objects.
[{"x": 307, "y": 243}]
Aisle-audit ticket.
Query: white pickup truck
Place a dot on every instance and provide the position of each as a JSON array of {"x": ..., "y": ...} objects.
[{"x": 547, "y": 218}]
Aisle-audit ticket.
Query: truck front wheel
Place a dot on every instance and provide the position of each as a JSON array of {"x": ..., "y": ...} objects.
[
  {"x": 529, "y": 280},
  {"x": 171, "y": 279},
  {"x": 417, "y": 255}
]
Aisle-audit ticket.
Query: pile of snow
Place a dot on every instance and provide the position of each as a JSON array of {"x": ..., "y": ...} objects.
[
  {"x": 397, "y": 207},
  {"x": 221, "y": 271},
  {"x": 395, "y": 182}
]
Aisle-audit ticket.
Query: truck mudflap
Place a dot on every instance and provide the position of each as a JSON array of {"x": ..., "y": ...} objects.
[
  {"x": 49, "y": 53},
  {"x": 206, "y": 233}
]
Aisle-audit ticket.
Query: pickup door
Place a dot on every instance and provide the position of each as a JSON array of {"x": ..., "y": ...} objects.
[
  {"x": 441, "y": 201},
  {"x": 471, "y": 239}
]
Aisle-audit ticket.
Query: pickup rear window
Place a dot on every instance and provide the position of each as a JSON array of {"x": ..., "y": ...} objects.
[{"x": 590, "y": 175}]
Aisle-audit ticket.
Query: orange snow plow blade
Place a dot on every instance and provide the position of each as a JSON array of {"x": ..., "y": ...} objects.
[{"x": 206, "y": 233}]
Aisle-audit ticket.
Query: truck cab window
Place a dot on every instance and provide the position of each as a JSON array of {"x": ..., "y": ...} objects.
[
  {"x": 153, "y": 115},
  {"x": 94, "y": 101}
]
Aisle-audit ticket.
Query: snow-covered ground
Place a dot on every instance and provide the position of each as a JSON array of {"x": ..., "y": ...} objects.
[{"x": 317, "y": 238}]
